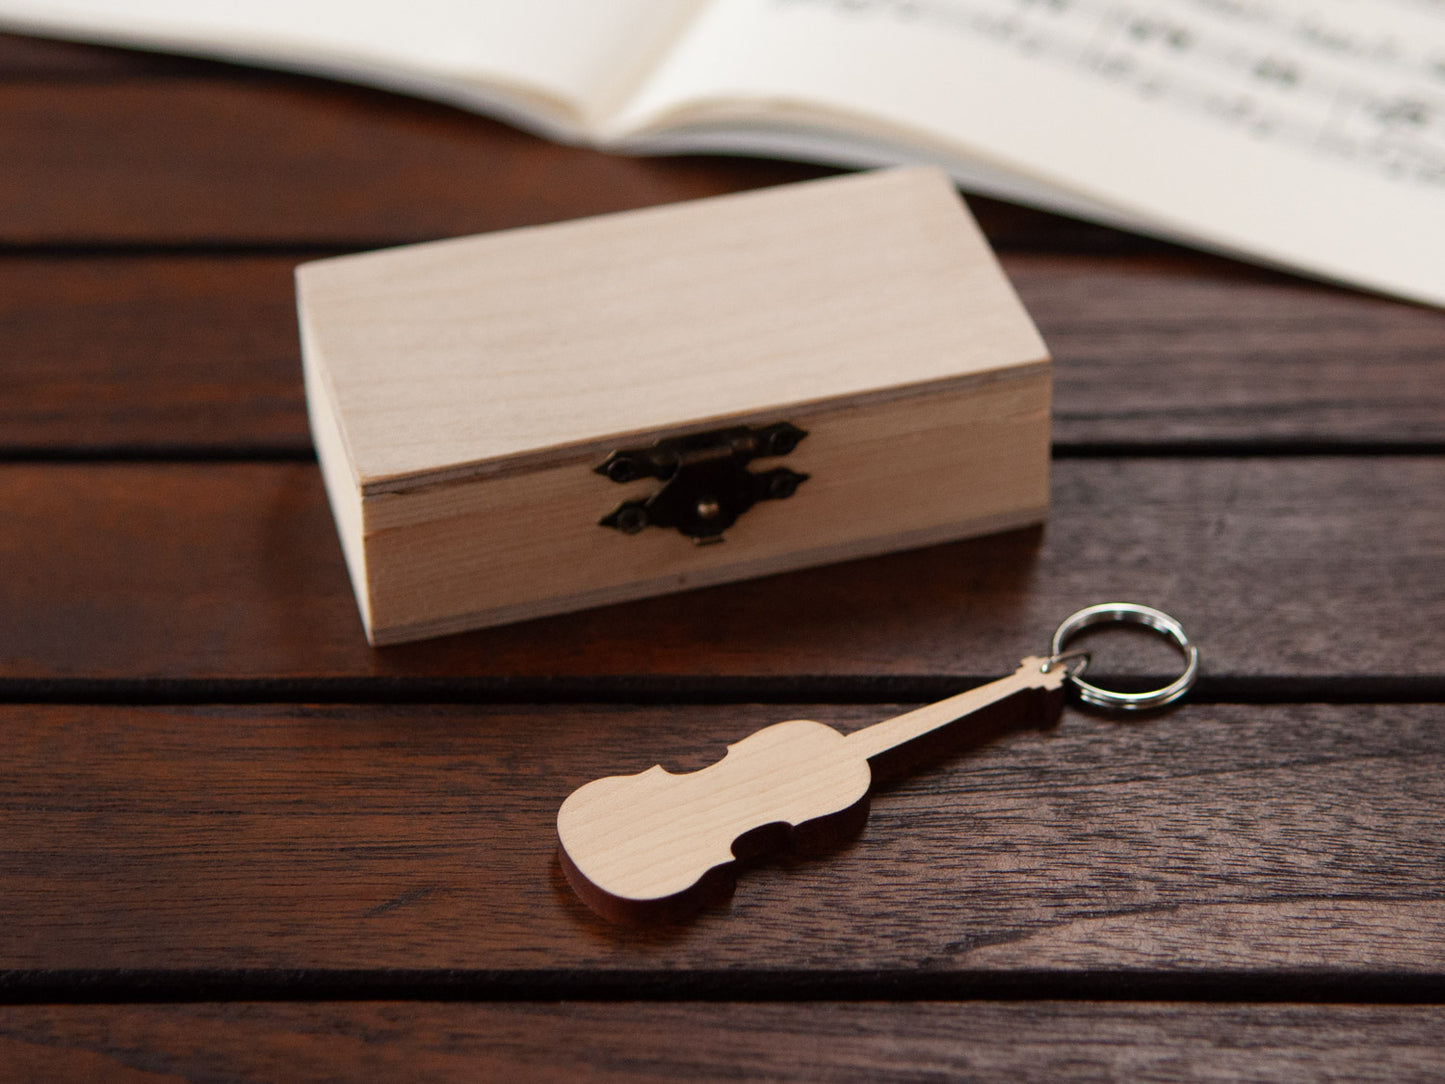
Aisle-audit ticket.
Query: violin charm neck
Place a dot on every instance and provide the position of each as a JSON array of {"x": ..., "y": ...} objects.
[{"x": 1033, "y": 695}]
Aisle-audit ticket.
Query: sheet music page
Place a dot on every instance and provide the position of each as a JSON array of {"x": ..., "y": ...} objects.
[
  {"x": 569, "y": 60},
  {"x": 1307, "y": 133}
]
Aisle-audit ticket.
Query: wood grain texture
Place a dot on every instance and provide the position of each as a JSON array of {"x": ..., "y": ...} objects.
[
  {"x": 1237, "y": 840},
  {"x": 150, "y": 353},
  {"x": 1044, "y": 1042},
  {"x": 1220, "y": 849},
  {"x": 494, "y": 551},
  {"x": 463, "y": 393},
  {"x": 291, "y": 160},
  {"x": 642, "y": 845},
  {"x": 1306, "y": 569},
  {"x": 1185, "y": 349},
  {"x": 200, "y": 353},
  {"x": 459, "y": 357},
  {"x": 286, "y": 159}
]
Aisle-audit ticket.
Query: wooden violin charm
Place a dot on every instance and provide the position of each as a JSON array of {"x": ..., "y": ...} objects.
[{"x": 658, "y": 845}]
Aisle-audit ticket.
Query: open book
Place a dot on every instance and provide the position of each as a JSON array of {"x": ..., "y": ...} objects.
[{"x": 1307, "y": 134}]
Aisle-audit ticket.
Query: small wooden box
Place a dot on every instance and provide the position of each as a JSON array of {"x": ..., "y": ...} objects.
[{"x": 487, "y": 411}]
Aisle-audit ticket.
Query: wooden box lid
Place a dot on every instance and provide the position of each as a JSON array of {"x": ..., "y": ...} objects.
[{"x": 487, "y": 356}]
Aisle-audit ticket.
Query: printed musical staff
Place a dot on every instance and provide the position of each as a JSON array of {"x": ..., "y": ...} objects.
[{"x": 1290, "y": 72}]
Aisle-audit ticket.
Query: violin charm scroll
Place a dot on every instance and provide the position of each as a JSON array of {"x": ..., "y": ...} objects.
[{"x": 657, "y": 845}]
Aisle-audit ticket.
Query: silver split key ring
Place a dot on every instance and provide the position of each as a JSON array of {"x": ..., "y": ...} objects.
[{"x": 1127, "y": 613}]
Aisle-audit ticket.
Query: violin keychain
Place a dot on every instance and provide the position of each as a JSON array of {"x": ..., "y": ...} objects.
[{"x": 657, "y": 845}]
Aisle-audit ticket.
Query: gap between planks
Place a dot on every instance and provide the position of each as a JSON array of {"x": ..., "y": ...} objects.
[
  {"x": 664, "y": 689},
  {"x": 280, "y": 452},
  {"x": 134, "y": 986}
]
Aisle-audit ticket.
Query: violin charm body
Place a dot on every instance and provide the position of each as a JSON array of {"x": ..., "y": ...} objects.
[{"x": 658, "y": 845}]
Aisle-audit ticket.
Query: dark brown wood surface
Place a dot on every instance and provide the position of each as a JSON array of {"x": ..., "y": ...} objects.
[
  {"x": 240, "y": 844},
  {"x": 852, "y": 1041},
  {"x": 1290, "y": 569},
  {"x": 197, "y": 352},
  {"x": 1216, "y": 839}
]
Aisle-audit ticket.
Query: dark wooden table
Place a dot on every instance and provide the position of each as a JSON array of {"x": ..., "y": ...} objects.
[{"x": 237, "y": 843}]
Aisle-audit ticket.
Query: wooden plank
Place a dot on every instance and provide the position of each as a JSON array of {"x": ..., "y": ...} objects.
[
  {"x": 1241, "y": 841},
  {"x": 151, "y": 353},
  {"x": 283, "y": 160},
  {"x": 35, "y": 59},
  {"x": 1186, "y": 349},
  {"x": 1044, "y": 1042},
  {"x": 1301, "y": 569},
  {"x": 200, "y": 352},
  {"x": 287, "y": 160}
]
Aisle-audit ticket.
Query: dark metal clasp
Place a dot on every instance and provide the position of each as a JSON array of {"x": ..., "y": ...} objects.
[{"x": 707, "y": 483}]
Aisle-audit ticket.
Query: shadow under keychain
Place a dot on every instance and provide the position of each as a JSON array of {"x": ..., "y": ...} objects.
[{"x": 657, "y": 845}]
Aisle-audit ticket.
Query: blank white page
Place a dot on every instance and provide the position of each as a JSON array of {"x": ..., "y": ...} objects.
[{"x": 569, "y": 61}]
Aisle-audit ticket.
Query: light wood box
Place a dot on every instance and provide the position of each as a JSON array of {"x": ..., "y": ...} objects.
[{"x": 463, "y": 393}]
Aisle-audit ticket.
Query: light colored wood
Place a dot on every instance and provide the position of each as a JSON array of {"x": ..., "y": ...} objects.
[
  {"x": 903, "y": 473},
  {"x": 461, "y": 392},
  {"x": 342, "y": 492},
  {"x": 459, "y": 357},
  {"x": 1032, "y": 673},
  {"x": 636, "y": 844}
]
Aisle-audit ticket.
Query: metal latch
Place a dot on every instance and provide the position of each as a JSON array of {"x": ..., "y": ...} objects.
[{"x": 707, "y": 483}]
